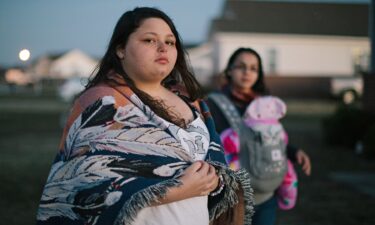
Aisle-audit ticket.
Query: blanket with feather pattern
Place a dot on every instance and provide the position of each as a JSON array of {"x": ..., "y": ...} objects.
[{"x": 118, "y": 157}]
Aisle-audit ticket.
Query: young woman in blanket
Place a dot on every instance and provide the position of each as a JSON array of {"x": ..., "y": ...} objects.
[
  {"x": 244, "y": 74},
  {"x": 140, "y": 147}
]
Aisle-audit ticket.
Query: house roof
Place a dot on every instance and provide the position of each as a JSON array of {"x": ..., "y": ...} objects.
[{"x": 343, "y": 19}]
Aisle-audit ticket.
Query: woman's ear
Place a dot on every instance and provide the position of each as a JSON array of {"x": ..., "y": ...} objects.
[{"x": 120, "y": 52}]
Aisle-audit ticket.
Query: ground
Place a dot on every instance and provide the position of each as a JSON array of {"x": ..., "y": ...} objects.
[
  {"x": 324, "y": 200},
  {"x": 29, "y": 137}
]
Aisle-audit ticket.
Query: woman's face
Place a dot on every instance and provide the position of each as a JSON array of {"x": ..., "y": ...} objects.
[
  {"x": 150, "y": 53},
  {"x": 244, "y": 71}
]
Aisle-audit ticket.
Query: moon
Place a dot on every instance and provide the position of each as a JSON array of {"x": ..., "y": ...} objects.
[{"x": 24, "y": 54}]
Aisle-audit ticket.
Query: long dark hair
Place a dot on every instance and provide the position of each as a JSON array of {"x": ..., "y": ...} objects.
[
  {"x": 128, "y": 23},
  {"x": 259, "y": 86}
]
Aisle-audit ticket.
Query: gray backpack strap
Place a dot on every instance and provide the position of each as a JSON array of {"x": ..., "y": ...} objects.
[
  {"x": 228, "y": 109},
  {"x": 235, "y": 122}
]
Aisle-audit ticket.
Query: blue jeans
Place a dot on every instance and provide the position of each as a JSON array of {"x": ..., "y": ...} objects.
[{"x": 265, "y": 213}]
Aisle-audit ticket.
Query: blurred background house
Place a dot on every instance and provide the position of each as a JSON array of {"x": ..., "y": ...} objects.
[
  {"x": 66, "y": 73},
  {"x": 74, "y": 63},
  {"x": 308, "y": 49}
]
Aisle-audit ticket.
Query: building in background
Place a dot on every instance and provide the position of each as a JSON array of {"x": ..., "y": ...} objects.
[
  {"x": 201, "y": 60},
  {"x": 74, "y": 63},
  {"x": 74, "y": 69},
  {"x": 67, "y": 73},
  {"x": 294, "y": 39}
]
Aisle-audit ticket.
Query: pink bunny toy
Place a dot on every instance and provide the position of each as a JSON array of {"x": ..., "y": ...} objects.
[{"x": 265, "y": 109}]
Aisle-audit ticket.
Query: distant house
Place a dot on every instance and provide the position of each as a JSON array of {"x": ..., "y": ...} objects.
[
  {"x": 67, "y": 72},
  {"x": 201, "y": 60},
  {"x": 293, "y": 38},
  {"x": 74, "y": 67},
  {"x": 40, "y": 68},
  {"x": 74, "y": 63}
]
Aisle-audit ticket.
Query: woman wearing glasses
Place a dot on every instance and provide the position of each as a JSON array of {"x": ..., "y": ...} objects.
[{"x": 245, "y": 77}]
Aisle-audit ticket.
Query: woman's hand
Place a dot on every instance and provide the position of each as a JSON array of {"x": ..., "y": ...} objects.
[
  {"x": 304, "y": 160},
  {"x": 199, "y": 179}
]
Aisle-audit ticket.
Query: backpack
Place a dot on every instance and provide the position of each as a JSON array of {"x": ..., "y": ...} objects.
[{"x": 262, "y": 142}]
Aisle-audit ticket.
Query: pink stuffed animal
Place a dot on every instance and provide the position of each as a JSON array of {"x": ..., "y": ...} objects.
[{"x": 265, "y": 108}]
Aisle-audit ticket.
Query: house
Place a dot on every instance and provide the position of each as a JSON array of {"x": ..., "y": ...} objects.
[
  {"x": 74, "y": 63},
  {"x": 201, "y": 61},
  {"x": 74, "y": 68},
  {"x": 294, "y": 39},
  {"x": 67, "y": 72},
  {"x": 41, "y": 67}
]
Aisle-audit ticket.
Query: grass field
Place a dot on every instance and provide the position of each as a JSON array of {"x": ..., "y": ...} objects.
[{"x": 29, "y": 136}]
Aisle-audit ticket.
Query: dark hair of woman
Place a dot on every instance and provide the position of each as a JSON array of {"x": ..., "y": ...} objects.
[
  {"x": 126, "y": 25},
  {"x": 259, "y": 87}
]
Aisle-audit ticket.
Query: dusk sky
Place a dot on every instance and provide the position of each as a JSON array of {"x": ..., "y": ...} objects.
[
  {"x": 52, "y": 26},
  {"x": 56, "y": 26}
]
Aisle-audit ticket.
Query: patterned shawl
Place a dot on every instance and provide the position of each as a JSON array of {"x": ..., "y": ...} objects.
[{"x": 117, "y": 157}]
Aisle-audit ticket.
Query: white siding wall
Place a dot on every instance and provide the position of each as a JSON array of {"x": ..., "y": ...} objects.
[
  {"x": 296, "y": 54},
  {"x": 201, "y": 62},
  {"x": 73, "y": 63}
]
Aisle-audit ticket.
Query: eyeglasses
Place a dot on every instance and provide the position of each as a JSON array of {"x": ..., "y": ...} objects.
[{"x": 244, "y": 68}]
